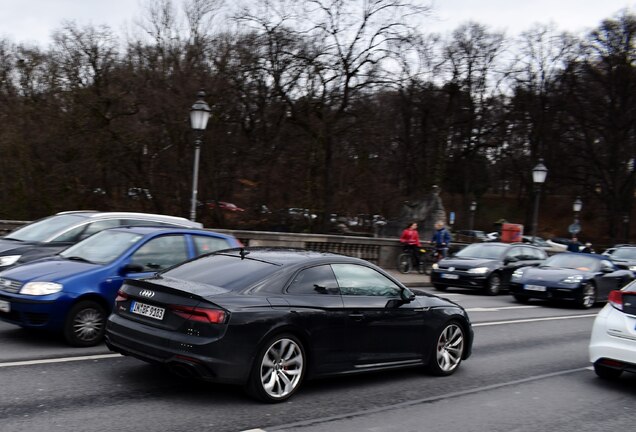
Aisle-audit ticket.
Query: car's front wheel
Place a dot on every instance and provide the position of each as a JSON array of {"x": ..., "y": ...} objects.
[
  {"x": 278, "y": 370},
  {"x": 448, "y": 350},
  {"x": 493, "y": 284},
  {"x": 85, "y": 324},
  {"x": 587, "y": 298}
]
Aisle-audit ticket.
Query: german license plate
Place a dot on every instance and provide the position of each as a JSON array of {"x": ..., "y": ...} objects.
[
  {"x": 5, "y": 306},
  {"x": 534, "y": 288},
  {"x": 449, "y": 276},
  {"x": 147, "y": 310}
]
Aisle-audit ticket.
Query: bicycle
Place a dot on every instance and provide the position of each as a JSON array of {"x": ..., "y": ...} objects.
[{"x": 405, "y": 262}]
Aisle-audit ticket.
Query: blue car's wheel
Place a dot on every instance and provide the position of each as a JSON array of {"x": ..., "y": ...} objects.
[
  {"x": 587, "y": 298},
  {"x": 85, "y": 324}
]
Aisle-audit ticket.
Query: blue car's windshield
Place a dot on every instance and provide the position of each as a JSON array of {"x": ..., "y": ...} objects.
[
  {"x": 43, "y": 229},
  {"x": 103, "y": 247},
  {"x": 572, "y": 261},
  {"x": 483, "y": 251}
]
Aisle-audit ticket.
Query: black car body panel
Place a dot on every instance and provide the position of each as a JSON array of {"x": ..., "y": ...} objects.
[
  {"x": 459, "y": 270},
  {"x": 341, "y": 333}
]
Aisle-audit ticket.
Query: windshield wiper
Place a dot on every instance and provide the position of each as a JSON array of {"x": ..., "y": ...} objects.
[
  {"x": 78, "y": 258},
  {"x": 12, "y": 239}
]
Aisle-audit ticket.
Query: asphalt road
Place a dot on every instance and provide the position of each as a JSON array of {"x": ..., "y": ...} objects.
[{"x": 529, "y": 372}]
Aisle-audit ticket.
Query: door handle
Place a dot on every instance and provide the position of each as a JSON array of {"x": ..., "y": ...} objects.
[{"x": 356, "y": 316}]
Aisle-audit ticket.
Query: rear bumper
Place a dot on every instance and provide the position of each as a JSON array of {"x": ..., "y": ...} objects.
[
  {"x": 613, "y": 340},
  {"x": 185, "y": 354}
]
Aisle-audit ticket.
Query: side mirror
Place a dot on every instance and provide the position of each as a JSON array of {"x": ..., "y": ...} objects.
[
  {"x": 508, "y": 260},
  {"x": 132, "y": 268},
  {"x": 407, "y": 295}
]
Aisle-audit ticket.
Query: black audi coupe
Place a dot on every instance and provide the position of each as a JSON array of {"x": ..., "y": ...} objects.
[{"x": 268, "y": 319}]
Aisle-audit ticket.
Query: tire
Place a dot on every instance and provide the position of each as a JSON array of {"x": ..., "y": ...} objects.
[
  {"x": 606, "y": 372},
  {"x": 521, "y": 299},
  {"x": 439, "y": 287},
  {"x": 448, "y": 350},
  {"x": 587, "y": 298},
  {"x": 85, "y": 324},
  {"x": 493, "y": 284},
  {"x": 278, "y": 369},
  {"x": 404, "y": 263}
]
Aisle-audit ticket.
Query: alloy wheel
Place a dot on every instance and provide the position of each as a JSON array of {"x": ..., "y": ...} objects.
[
  {"x": 88, "y": 324},
  {"x": 450, "y": 347},
  {"x": 282, "y": 368}
]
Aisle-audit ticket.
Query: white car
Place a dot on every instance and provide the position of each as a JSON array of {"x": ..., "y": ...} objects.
[{"x": 613, "y": 343}]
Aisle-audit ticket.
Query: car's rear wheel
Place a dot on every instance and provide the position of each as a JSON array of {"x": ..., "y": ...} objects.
[
  {"x": 278, "y": 370},
  {"x": 85, "y": 324},
  {"x": 605, "y": 372},
  {"x": 493, "y": 284},
  {"x": 587, "y": 298},
  {"x": 448, "y": 350}
]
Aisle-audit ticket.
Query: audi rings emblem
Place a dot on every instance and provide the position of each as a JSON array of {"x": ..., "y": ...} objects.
[{"x": 147, "y": 293}]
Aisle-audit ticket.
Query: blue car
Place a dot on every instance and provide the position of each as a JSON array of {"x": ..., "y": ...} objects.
[
  {"x": 74, "y": 292},
  {"x": 584, "y": 279}
]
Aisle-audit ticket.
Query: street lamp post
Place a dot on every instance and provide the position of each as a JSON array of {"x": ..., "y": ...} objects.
[
  {"x": 473, "y": 207},
  {"x": 577, "y": 205},
  {"x": 626, "y": 227},
  {"x": 199, "y": 115},
  {"x": 539, "y": 173}
]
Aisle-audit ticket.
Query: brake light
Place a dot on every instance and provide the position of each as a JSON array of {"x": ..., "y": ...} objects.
[
  {"x": 208, "y": 316},
  {"x": 616, "y": 299},
  {"x": 121, "y": 296}
]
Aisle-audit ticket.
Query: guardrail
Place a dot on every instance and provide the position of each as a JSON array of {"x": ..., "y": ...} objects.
[{"x": 380, "y": 251}]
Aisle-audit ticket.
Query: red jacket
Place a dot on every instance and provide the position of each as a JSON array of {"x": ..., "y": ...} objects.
[{"x": 410, "y": 236}]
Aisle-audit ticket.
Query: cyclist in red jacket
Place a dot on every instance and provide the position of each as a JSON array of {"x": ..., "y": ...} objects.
[{"x": 410, "y": 238}]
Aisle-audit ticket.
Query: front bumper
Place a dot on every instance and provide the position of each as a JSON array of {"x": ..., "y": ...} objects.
[
  {"x": 550, "y": 293},
  {"x": 459, "y": 279},
  {"x": 47, "y": 312}
]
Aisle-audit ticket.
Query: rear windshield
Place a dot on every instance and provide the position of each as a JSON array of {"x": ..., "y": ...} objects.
[{"x": 229, "y": 272}]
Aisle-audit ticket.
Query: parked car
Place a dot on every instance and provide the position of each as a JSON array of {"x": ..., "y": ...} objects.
[
  {"x": 582, "y": 278},
  {"x": 73, "y": 292},
  {"x": 485, "y": 266},
  {"x": 624, "y": 256},
  {"x": 268, "y": 319},
  {"x": 48, "y": 236},
  {"x": 612, "y": 346},
  {"x": 470, "y": 236}
]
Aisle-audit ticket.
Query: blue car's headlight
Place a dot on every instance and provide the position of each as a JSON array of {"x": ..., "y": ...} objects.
[
  {"x": 632, "y": 268},
  {"x": 478, "y": 270},
  {"x": 574, "y": 279},
  {"x": 41, "y": 288},
  {"x": 8, "y": 260},
  {"x": 517, "y": 274}
]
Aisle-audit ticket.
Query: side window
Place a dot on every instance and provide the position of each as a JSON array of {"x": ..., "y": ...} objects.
[
  {"x": 314, "y": 280},
  {"x": 515, "y": 252},
  {"x": 538, "y": 254},
  {"x": 359, "y": 280},
  {"x": 204, "y": 244},
  {"x": 161, "y": 252}
]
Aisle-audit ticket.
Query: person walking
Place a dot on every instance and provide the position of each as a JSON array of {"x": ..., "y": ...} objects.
[
  {"x": 574, "y": 245},
  {"x": 410, "y": 238},
  {"x": 441, "y": 239}
]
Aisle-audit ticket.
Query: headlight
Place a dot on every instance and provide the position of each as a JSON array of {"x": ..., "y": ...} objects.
[
  {"x": 478, "y": 270},
  {"x": 9, "y": 260},
  {"x": 41, "y": 288},
  {"x": 575, "y": 279},
  {"x": 632, "y": 268},
  {"x": 435, "y": 266},
  {"x": 517, "y": 274}
]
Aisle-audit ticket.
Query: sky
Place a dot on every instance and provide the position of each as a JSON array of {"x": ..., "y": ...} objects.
[{"x": 33, "y": 21}]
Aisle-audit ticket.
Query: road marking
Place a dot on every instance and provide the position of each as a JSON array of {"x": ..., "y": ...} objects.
[
  {"x": 417, "y": 401},
  {"x": 59, "y": 360},
  {"x": 533, "y": 320},
  {"x": 496, "y": 309}
]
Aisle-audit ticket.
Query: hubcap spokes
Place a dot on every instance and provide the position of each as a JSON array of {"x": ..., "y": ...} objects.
[
  {"x": 282, "y": 368},
  {"x": 450, "y": 347},
  {"x": 88, "y": 324}
]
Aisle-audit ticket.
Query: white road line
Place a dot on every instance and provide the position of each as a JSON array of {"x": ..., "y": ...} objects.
[
  {"x": 496, "y": 309},
  {"x": 59, "y": 360},
  {"x": 532, "y": 320}
]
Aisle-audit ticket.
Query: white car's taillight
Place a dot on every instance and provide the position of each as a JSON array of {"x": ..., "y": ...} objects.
[{"x": 616, "y": 299}]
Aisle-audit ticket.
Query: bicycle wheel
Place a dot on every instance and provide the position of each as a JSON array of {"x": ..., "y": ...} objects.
[{"x": 404, "y": 263}]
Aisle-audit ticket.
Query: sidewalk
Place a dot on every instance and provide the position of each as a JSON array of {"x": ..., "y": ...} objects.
[{"x": 412, "y": 279}]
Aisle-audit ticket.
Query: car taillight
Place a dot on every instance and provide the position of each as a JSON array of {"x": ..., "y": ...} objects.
[
  {"x": 616, "y": 299},
  {"x": 121, "y": 296},
  {"x": 212, "y": 316}
]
